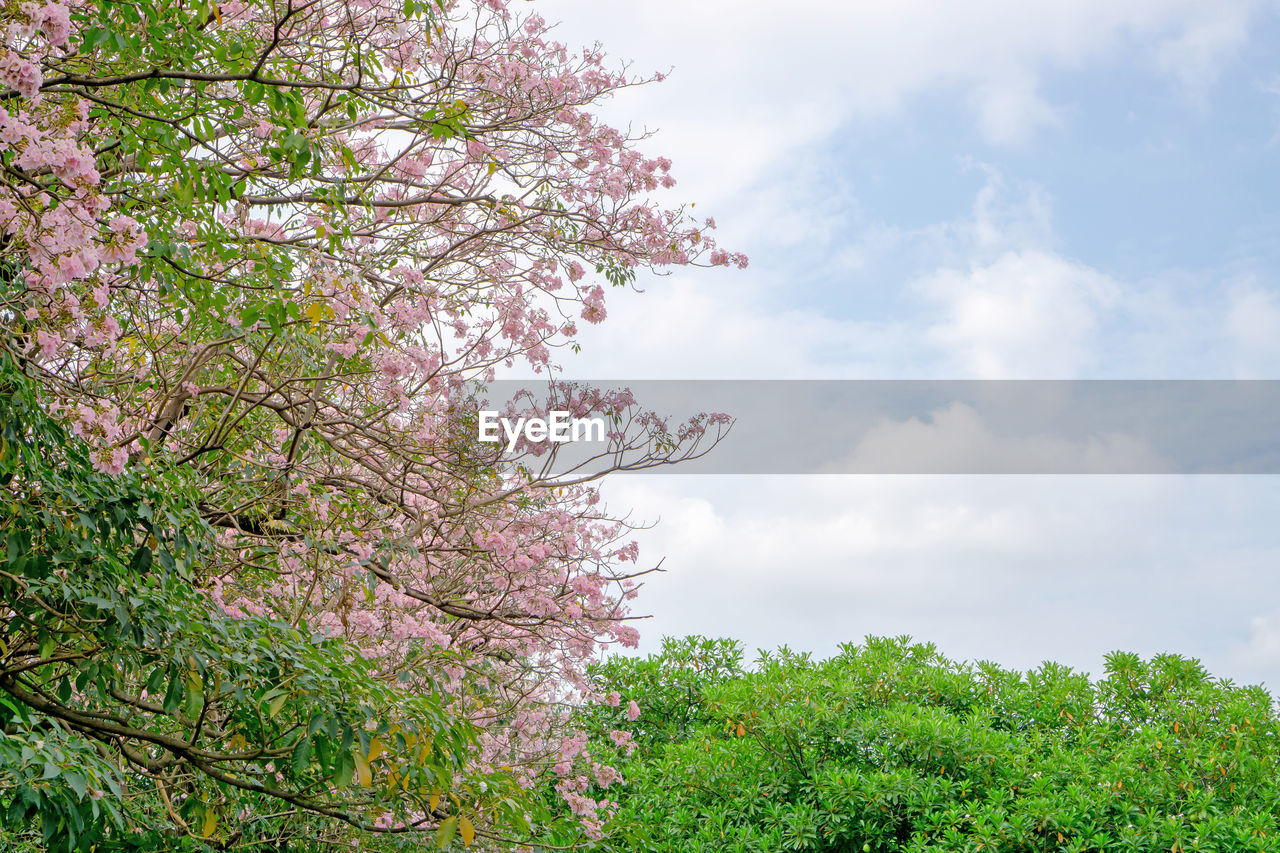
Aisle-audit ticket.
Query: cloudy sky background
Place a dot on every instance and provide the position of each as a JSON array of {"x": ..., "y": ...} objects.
[{"x": 996, "y": 189}]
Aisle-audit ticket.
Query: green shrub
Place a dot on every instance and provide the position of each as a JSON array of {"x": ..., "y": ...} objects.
[{"x": 889, "y": 746}]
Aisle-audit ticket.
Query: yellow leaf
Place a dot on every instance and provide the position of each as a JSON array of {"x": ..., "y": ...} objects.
[
  {"x": 435, "y": 801},
  {"x": 466, "y": 830},
  {"x": 375, "y": 748},
  {"x": 363, "y": 773},
  {"x": 210, "y": 823},
  {"x": 315, "y": 312},
  {"x": 422, "y": 752}
]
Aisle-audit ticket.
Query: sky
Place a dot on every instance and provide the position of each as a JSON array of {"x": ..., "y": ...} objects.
[{"x": 1000, "y": 189}]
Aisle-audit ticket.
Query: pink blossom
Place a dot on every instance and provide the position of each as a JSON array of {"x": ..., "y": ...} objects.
[
  {"x": 54, "y": 21},
  {"x": 20, "y": 74},
  {"x": 593, "y": 310},
  {"x": 49, "y": 343}
]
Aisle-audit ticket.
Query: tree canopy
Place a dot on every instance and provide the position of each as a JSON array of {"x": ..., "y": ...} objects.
[{"x": 890, "y": 746}]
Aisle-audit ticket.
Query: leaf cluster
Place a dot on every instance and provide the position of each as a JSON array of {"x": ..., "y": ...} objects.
[
  {"x": 889, "y": 746},
  {"x": 134, "y": 710}
]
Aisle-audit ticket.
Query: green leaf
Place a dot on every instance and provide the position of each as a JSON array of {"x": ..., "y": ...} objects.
[
  {"x": 76, "y": 781},
  {"x": 445, "y": 833},
  {"x": 345, "y": 770},
  {"x": 301, "y": 754}
]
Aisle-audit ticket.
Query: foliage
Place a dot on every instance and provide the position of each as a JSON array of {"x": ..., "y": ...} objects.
[
  {"x": 668, "y": 690},
  {"x": 107, "y": 644},
  {"x": 257, "y": 259},
  {"x": 889, "y": 746}
]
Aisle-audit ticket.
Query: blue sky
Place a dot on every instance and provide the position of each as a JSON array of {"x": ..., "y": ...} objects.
[
  {"x": 891, "y": 170},
  {"x": 996, "y": 189}
]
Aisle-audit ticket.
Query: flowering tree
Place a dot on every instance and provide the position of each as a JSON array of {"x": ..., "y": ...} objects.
[{"x": 257, "y": 257}]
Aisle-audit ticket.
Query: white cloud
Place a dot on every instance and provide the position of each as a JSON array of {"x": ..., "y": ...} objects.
[
  {"x": 1015, "y": 569},
  {"x": 1007, "y": 215},
  {"x": 1027, "y": 314},
  {"x": 1011, "y": 109},
  {"x": 1253, "y": 326},
  {"x": 1260, "y": 650},
  {"x": 763, "y": 81},
  {"x": 723, "y": 325},
  {"x": 1211, "y": 36},
  {"x": 999, "y": 300}
]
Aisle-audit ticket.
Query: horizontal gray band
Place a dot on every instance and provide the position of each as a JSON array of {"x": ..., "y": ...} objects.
[{"x": 958, "y": 427}]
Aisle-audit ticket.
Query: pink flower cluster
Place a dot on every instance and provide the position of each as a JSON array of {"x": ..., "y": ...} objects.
[{"x": 58, "y": 216}]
